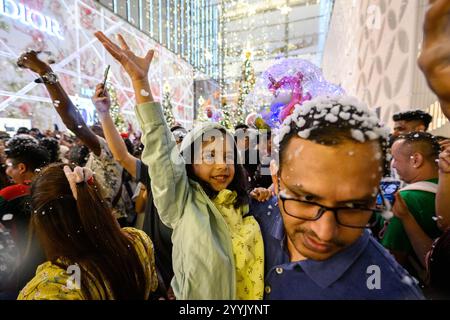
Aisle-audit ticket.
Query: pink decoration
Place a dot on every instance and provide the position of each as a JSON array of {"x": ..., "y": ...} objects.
[{"x": 294, "y": 83}]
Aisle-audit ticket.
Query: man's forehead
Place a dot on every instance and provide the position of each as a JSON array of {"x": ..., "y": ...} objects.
[
  {"x": 345, "y": 147},
  {"x": 304, "y": 159}
]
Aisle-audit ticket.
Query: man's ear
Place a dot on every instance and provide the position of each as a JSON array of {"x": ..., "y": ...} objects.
[
  {"x": 274, "y": 173},
  {"x": 417, "y": 160},
  {"x": 421, "y": 128},
  {"x": 22, "y": 167}
]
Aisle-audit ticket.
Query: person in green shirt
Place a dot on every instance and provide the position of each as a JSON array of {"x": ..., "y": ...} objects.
[{"x": 414, "y": 158}]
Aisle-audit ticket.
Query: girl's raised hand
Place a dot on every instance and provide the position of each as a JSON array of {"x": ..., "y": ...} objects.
[{"x": 136, "y": 67}]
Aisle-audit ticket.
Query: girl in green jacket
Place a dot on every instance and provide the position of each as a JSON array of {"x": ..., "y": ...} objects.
[{"x": 218, "y": 251}]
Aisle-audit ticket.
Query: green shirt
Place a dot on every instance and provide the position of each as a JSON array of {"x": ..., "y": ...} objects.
[{"x": 422, "y": 206}]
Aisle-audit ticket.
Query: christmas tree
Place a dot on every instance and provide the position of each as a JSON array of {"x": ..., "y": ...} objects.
[
  {"x": 203, "y": 110},
  {"x": 227, "y": 120},
  {"x": 246, "y": 85},
  {"x": 167, "y": 107},
  {"x": 117, "y": 117}
]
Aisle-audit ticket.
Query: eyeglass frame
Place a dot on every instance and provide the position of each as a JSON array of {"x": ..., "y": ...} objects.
[{"x": 322, "y": 209}]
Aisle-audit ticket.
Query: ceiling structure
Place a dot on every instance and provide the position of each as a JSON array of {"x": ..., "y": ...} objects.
[{"x": 270, "y": 30}]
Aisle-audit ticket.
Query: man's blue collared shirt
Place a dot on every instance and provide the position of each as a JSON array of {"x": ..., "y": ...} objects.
[{"x": 364, "y": 270}]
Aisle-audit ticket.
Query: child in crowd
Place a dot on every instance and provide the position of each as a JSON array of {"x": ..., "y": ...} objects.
[
  {"x": 88, "y": 255},
  {"x": 201, "y": 194}
]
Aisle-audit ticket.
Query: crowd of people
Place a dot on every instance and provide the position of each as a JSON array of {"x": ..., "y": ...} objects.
[{"x": 335, "y": 206}]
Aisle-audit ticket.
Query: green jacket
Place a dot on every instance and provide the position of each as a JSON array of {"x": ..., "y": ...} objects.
[{"x": 203, "y": 260}]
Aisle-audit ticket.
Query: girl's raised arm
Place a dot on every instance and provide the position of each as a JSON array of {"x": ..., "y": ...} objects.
[{"x": 169, "y": 180}]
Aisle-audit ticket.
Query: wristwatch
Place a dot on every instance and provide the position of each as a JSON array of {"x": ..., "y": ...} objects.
[{"x": 47, "y": 78}]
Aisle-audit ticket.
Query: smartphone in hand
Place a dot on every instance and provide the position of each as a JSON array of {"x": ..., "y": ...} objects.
[
  {"x": 105, "y": 77},
  {"x": 388, "y": 187}
]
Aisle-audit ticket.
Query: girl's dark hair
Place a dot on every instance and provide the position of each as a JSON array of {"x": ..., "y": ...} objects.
[
  {"x": 52, "y": 146},
  {"x": 78, "y": 154},
  {"x": 439, "y": 266},
  {"x": 84, "y": 231},
  {"x": 238, "y": 184}
]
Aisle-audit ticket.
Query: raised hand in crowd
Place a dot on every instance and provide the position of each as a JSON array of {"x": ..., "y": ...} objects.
[
  {"x": 136, "y": 67},
  {"x": 61, "y": 100},
  {"x": 420, "y": 241},
  {"x": 434, "y": 59},
  {"x": 443, "y": 194},
  {"x": 115, "y": 142},
  {"x": 261, "y": 194}
]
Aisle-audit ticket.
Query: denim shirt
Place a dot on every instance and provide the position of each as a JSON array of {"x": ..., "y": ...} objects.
[{"x": 363, "y": 270}]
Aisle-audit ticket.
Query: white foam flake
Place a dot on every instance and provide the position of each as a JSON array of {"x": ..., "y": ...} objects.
[
  {"x": 300, "y": 122},
  {"x": 304, "y": 133},
  {"x": 344, "y": 115},
  {"x": 331, "y": 118},
  {"x": 335, "y": 110},
  {"x": 144, "y": 93},
  {"x": 408, "y": 280},
  {"x": 323, "y": 110},
  {"x": 387, "y": 215},
  {"x": 358, "y": 135},
  {"x": 371, "y": 135},
  {"x": 7, "y": 217}
]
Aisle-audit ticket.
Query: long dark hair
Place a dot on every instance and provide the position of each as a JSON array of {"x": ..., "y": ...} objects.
[
  {"x": 84, "y": 231},
  {"x": 439, "y": 266},
  {"x": 239, "y": 182}
]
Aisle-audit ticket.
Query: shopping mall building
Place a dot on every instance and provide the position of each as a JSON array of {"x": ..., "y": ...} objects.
[{"x": 369, "y": 47}]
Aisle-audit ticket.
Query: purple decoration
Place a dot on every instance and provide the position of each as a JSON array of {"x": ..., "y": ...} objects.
[{"x": 285, "y": 84}]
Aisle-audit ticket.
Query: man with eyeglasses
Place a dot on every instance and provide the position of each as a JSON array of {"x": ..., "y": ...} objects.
[{"x": 316, "y": 231}]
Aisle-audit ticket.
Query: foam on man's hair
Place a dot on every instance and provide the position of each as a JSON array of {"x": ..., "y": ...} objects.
[{"x": 341, "y": 111}]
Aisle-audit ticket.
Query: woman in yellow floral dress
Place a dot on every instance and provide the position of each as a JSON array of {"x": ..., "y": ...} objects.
[{"x": 89, "y": 255}]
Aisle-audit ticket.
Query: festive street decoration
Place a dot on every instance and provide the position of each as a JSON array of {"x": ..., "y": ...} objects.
[
  {"x": 283, "y": 86},
  {"x": 246, "y": 85},
  {"x": 116, "y": 115},
  {"x": 167, "y": 106}
]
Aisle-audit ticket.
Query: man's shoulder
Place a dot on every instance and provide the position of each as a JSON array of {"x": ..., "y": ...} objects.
[
  {"x": 267, "y": 212},
  {"x": 394, "y": 278},
  {"x": 419, "y": 200},
  {"x": 420, "y": 189}
]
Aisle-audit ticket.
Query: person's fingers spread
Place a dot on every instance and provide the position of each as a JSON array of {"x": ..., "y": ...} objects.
[
  {"x": 444, "y": 161},
  {"x": 149, "y": 56},
  {"x": 113, "y": 50},
  {"x": 98, "y": 91},
  {"x": 67, "y": 170},
  {"x": 102, "y": 37},
  {"x": 436, "y": 18},
  {"x": 122, "y": 42},
  {"x": 79, "y": 174},
  {"x": 433, "y": 54},
  {"x": 87, "y": 173},
  {"x": 110, "y": 46}
]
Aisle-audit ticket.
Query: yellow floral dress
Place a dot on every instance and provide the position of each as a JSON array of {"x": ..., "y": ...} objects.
[
  {"x": 248, "y": 246},
  {"x": 54, "y": 283}
]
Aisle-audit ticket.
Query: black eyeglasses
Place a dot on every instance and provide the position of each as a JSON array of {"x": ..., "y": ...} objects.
[{"x": 358, "y": 217}]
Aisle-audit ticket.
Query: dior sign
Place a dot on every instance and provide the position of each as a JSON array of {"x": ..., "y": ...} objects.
[{"x": 30, "y": 17}]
